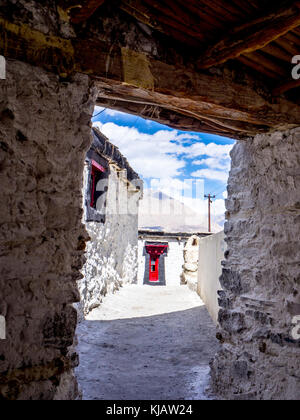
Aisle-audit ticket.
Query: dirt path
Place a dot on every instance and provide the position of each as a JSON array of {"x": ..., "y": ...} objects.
[{"x": 146, "y": 343}]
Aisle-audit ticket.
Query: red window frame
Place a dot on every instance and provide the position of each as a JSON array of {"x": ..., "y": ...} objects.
[{"x": 96, "y": 168}]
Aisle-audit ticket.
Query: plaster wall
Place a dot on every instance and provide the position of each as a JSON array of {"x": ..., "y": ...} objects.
[{"x": 211, "y": 254}]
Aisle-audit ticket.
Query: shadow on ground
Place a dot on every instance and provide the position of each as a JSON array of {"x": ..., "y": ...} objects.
[{"x": 161, "y": 357}]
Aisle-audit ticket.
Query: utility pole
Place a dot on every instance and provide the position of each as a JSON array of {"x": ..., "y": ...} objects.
[{"x": 209, "y": 196}]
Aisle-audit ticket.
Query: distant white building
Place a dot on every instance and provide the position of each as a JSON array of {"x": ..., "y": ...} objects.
[
  {"x": 111, "y": 195},
  {"x": 161, "y": 257}
]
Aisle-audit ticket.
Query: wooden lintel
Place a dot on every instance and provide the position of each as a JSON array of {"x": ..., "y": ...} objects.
[
  {"x": 252, "y": 36},
  {"x": 180, "y": 120}
]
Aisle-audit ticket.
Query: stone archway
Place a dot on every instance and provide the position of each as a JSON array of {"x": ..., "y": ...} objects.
[{"x": 60, "y": 62}]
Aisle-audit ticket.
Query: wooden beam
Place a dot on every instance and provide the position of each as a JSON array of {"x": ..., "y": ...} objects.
[
  {"x": 85, "y": 11},
  {"x": 175, "y": 118},
  {"x": 165, "y": 116},
  {"x": 252, "y": 36}
]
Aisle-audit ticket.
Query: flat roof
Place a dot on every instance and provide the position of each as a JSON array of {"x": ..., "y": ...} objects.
[{"x": 162, "y": 234}]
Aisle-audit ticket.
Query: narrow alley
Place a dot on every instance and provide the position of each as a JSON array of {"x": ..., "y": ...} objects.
[{"x": 147, "y": 343}]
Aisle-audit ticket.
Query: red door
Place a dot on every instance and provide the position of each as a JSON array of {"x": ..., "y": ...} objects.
[
  {"x": 155, "y": 252},
  {"x": 153, "y": 269}
]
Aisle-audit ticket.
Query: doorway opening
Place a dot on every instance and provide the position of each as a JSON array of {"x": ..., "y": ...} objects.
[{"x": 146, "y": 214}]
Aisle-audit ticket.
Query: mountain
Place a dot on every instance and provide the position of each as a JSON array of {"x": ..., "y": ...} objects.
[{"x": 158, "y": 211}]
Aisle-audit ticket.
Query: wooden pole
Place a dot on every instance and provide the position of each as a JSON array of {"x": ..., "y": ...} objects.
[{"x": 209, "y": 196}]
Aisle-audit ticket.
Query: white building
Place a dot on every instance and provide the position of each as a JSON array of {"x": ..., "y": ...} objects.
[{"x": 111, "y": 194}]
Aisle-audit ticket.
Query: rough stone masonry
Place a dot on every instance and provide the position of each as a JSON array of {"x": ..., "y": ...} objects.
[
  {"x": 44, "y": 135},
  {"x": 260, "y": 359}
]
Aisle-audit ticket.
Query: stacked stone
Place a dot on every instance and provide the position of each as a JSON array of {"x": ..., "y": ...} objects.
[{"x": 190, "y": 267}]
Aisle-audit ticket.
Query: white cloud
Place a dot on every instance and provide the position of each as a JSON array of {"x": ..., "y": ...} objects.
[
  {"x": 98, "y": 125},
  {"x": 215, "y": 162},
  {"x": 113, "y": 113},
  {"x": 151, "y": 155},
  {"x": 211, "y": 174},
  {"x": 107, "y": 111},
  {"x": 171, "y": 186},
  {"x": 216, "y": 159},
  {"x": 211, "y": 150},
  {"x": 163, "y": 154}
]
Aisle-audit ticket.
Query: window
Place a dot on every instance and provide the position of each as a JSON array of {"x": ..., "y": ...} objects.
[{"x": 97, "y": 191}]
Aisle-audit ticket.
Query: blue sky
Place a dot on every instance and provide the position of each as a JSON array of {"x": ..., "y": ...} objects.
[{"x": 157, "y": 151}]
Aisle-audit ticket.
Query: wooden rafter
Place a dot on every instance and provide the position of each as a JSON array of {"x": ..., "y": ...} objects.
[
  {"x": 261, "y": 60},
  {"x": 285, "y": 87},
  {"x": 168, "y": 22},
  {"x": 252, "y": 36}
]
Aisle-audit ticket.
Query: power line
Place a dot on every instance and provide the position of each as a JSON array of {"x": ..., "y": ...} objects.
[
  {"x": 99, "y": 113},
  {"x": 220, "y": 192}
]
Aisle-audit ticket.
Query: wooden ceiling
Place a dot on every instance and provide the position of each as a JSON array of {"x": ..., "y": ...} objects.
[
  {"x": 258, "y": 37},
  {"x": 261, "y": 34}
]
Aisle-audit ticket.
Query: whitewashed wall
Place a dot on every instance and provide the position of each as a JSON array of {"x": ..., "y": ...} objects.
[
  {"x": 211, "y": 254},
  {"x": 112, "y": 251},
  {"x": 173, "y": 261}
]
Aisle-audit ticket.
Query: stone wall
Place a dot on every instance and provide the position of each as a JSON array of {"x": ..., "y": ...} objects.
[
  {"x": 260, "y": 358},
  {"x": 112, "y": 251},
  {"x": 190, "y": 266},
  {"x": 44, "y": 136}
]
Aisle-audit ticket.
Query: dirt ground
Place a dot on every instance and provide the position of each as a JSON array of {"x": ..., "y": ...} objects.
[{"x": 147, "y": 343}]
